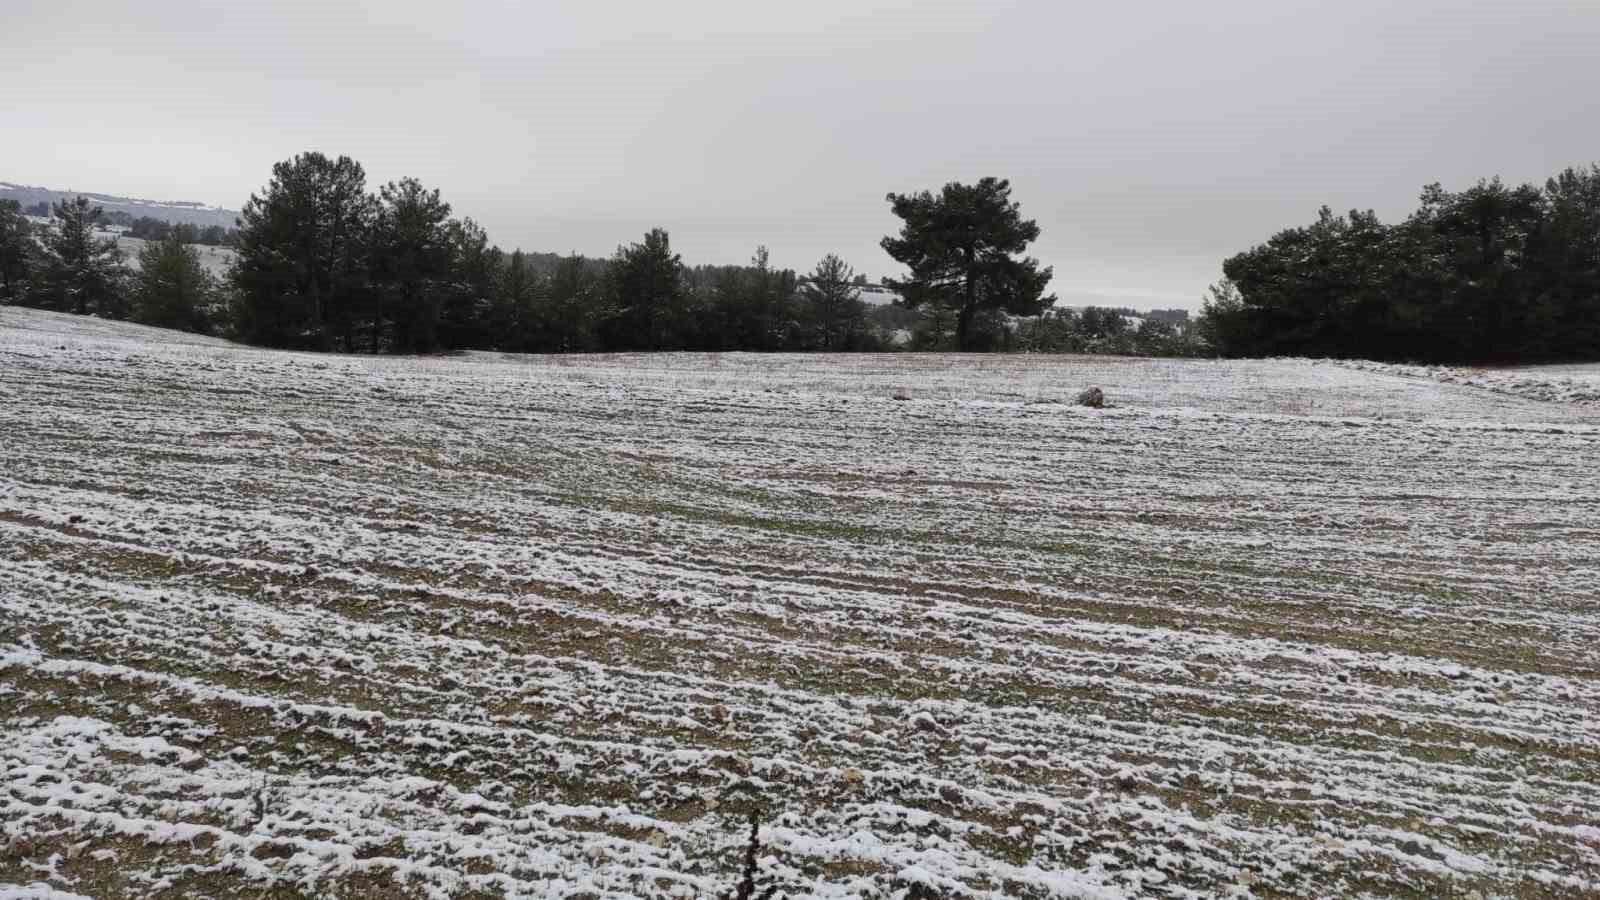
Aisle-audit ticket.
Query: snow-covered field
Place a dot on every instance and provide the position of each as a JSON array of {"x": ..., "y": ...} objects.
[
  {"x": 290, "y": 625},
  {"x": 1561, "y": 384},
  {"x": 215, "y": 260}
]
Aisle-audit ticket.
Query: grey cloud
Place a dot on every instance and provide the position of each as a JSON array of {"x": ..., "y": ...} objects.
[{"x": 1148, "y": 139}]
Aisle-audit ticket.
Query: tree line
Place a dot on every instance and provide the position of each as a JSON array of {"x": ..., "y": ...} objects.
[
  {"x": 1491, "y": 274},
  {"x": 323, "y": 263},
  {"x": 69, "y": 267},
  {"x": 148, "y": 228}
]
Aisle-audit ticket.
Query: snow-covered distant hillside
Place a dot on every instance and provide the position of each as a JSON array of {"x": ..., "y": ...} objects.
[{"x": 180, "y": 211}]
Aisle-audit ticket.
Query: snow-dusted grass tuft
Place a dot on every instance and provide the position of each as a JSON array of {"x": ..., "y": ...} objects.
[{"x": 279, "y": 624}]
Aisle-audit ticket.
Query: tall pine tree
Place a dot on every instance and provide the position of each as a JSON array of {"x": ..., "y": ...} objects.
[
  {"x": 300, "y": 275},
  {"x": 80, "y": 272},
  {"x": 646, "y": 294},
  {"x": 468, "y": 309},
  {"x": 961, "y": 248},
  {"x": 411, "y": 264}
]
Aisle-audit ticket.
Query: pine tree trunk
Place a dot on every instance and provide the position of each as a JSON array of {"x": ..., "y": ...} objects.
[
  {"x": 964, "y": 324},
  {"x": 969, "y": 305}
]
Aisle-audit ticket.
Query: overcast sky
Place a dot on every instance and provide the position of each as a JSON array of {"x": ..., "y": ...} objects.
[{"x": 1149, "y": 140}]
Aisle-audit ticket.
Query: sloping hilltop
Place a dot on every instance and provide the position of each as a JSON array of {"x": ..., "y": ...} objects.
[{"x": 291, "y": 625}]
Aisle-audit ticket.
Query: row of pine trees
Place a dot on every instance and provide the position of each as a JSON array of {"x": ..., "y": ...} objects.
[
  {"x": 71, "y": 268},
  {"x": 1490, "y": 274},
  {"x": 322, "y": 263}
]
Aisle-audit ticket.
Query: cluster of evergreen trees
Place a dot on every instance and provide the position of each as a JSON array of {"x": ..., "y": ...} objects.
[
  {"x": 322, "y": 263},
  {"x": 325, "y": 264},
  {"x": 1489, "y": 274},
  {"x": 70, "y": 268}
]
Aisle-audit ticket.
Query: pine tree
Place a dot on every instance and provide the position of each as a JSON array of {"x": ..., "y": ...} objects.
[
  {"x": 411, "y": 266},
  {"x": 762, "y": 316},
  {"x": 834, "y": 303},
  {"x": 646, "y": 292},
  {"x": 17, "y": 251},
  {"x": 960, "y": 247},
  {"x": 518, "y": 316},
  {"x": 173, "y": 289},
  {"x": 468, "y": 303},
  {"x": 575, "y": 303},
  {"x": 300, "y": 275},
  {"x": 80, "y": 272},
  {"x": 1569, "y": 261}
]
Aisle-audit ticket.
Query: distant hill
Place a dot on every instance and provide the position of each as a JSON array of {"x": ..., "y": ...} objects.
[{"x": 176, "y": 212}]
